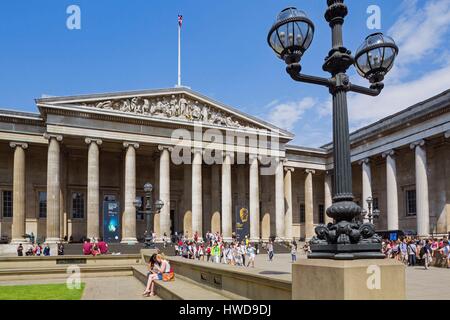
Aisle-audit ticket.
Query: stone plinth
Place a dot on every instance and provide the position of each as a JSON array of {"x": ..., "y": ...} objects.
[{"x": 348, "y": 280}]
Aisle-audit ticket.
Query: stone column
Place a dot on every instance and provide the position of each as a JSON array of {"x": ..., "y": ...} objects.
[
  {"x": 164, "y": 189},
  {"x": 288, "y": 203},
  {"x": 423, "y": 213},
  {"x": 309, "y": 205},
  {"x": 254, "y": 199},
  {"x": 391, "y": 190},
  {"x": 93, "y": 188},
  {"x": 227, "y": 218},
  {"x": 328, "y": 195},
  {"x": 279, "y": 201},
  {"x": 215, "y": 220},
  {"x": 129, "y": 213},
  {"x": 366, "y": 184},
  {"x": 53, "y": 188},
  {"x": 197, "y": 192},
  {"x": 18, "y": 224}
]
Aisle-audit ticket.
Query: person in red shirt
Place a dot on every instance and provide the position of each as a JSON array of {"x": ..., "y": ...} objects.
[
  {"x": 102, "y": 246},
  {"x": 87, "y": 247}
]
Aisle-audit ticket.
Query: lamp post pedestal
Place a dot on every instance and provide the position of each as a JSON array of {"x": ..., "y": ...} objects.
[{"x": 370, "y": 279}]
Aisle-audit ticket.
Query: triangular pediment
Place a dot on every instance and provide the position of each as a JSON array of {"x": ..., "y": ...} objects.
[{"x": 178, "y": 105}]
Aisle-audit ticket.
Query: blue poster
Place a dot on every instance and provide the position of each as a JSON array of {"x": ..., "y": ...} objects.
[{"x": 111, "y": 221}]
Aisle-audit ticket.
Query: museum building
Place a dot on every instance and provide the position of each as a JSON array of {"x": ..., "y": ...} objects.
[{"x": 60, "y": 168}]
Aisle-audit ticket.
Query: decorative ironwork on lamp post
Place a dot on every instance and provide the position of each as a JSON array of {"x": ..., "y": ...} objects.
[
  {"x": 148, "y": 211},
  {"x": 290, "y": 37}
]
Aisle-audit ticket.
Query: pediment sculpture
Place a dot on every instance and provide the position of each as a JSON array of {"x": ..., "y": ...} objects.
[{"x": 177, "y": 107}]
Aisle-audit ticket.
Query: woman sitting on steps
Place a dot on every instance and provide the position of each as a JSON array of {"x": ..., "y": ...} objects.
[{"x": 159, "y": 269}]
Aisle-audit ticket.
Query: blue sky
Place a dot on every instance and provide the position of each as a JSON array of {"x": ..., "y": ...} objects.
[{"x": 131, "y": 45}]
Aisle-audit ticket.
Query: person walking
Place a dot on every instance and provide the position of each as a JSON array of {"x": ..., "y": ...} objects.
[
  {"x": 251, "y": 252},
  {"x": 403, "y": 247},
  {"x": 426, "y": 254},
  {"x": 412, "y": 253},
  {"x": 294, "y": 251},
  {"x": 270, "y": 251}
]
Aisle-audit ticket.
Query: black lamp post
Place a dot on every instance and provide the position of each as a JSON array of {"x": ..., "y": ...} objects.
[
  {"x": 370, "y": 213},
  {"x": 290, "y": 37},
  {"x": 148, "y": 211}
]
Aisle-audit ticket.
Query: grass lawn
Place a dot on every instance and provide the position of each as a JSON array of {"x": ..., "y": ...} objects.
[{"x": 41, "y": 292}]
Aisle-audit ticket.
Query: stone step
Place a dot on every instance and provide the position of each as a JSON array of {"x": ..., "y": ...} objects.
[
  {"x": 64, "y": 272},
  {"x": 180, "y": 289}
]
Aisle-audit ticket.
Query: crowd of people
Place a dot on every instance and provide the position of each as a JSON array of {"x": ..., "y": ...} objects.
[
  {"x": 235, "y": 252},
  {"x": 413, "y": 251},
  {"x": 95, "y": 247},
  {"x": 36, "y": 249}
]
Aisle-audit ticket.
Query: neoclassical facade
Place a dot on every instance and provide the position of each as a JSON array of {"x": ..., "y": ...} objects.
[{"x": 59, "y": 167}]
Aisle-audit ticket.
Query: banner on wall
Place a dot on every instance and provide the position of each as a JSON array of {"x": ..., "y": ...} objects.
[
  {"x": 242, "y": 223},
  {"x": 111, "y": 221}
]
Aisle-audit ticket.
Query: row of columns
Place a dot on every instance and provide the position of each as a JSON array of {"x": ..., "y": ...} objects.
[
  {"x": 283, "y": 193},
  {"x": 422, "y": 205}
]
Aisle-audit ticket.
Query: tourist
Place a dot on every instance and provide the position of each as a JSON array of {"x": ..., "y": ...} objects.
[
  {"x": 95, "y": 250},
  {"x": 29, "y": 251},
  {"x": 445, "y": 251},
  {"x": 412, "y": 248},
  {"x": 270, "y": 252},
  {"x": 158, "y": 268},
  {"x": 251, "y": 252},
  {"x": 37, "y": 250},
  {"x": 102, "y": 246},
  {"x": 215, "y": 252},
  {"x": 243, "y": 252},
  {"x": 403, "y": 248},
  {"x": 208, "y": 253},
  {"x": 60, "y": 249},
  {"x": 20, "y": 250},
  {"x": 87, "y": 247},
  {"x": 294, "y": 251},
  {"x": 426, "y": 254},
  {"x": 46, "y": 251}
]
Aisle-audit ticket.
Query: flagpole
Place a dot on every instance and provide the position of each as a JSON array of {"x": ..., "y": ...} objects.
[{"x": 179, "y": 55}]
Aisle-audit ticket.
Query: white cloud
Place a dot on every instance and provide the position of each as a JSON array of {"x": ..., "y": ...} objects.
[
  {"x": 421, "y": 34},
  {"x": 286, "y": 115}
]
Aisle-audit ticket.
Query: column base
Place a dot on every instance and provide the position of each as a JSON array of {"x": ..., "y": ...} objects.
[
  {"x": 130, "y": 241},
  {"x": 348, "y": 280},
  {"x": 52, "y": 240},
  {"x": 19, "y": 241}
]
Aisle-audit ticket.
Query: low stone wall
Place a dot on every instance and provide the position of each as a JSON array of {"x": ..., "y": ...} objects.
[
  {"x": 57, "y": 261},
  {"x": 233, "y": 281}
]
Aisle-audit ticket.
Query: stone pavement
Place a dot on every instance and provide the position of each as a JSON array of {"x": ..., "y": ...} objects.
[
  {"x": 432, "y": 284},
  {"x": 100, "y": 288}
]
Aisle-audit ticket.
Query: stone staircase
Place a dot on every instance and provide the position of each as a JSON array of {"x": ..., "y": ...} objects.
[{"x": 180, "y": 289}]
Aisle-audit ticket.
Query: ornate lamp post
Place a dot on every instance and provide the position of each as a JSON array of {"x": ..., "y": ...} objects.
[
  {"x": 290, "y": 37},
  {"x": 148, "y": 211},
  {"x": 370, "y": 213}
]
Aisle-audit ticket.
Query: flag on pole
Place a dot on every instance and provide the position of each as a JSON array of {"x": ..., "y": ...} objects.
[{"x": 180, "y": 20}]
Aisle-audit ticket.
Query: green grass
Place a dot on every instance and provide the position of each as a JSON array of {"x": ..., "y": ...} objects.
[{"x": 41, "y": 292}]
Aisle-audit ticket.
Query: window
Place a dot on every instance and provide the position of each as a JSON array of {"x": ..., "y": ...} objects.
[
  {"x": 375, "y": 204},
  {"x": 77, "y": 205},
  {"x": 302, "y": 213},
  {"x": 411, "y": 203},
  {"x": 42, "y": 204},
  {"x": 321, "y": 214},
  {"x": 7, "y": 204},
  {"x": 140, "y": 215}
]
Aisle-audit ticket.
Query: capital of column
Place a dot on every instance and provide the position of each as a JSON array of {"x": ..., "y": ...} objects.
[
  {"x": 49, "y": 136},
  {"x": 93, "y": 140},
  {"x": 163, "y": 147},
  {"x": 419, "y": 143},
  {"x": 197, "y": 150},
  {"x": 447, "y": 134},
  {"x": 131, "y": 144},
  {"x": 310, "y": 171},
  {"x": 389, "y": 153},
  {"x": 366, "y": 161},
  {"x": 22, "y": 145},
  {"x": 291, "y": 169}
]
